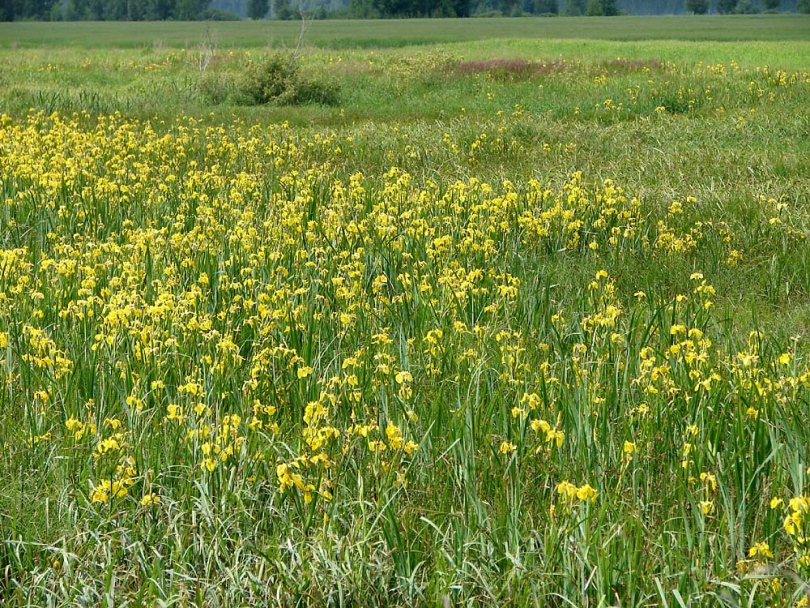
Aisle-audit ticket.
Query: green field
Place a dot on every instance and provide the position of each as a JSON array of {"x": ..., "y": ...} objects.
[
  {"x": 340, "y": 34},
  {"x": 514, "y": 313}
]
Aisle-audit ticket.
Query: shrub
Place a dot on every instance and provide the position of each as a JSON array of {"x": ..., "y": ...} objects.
[
  {"x": 277, "y": 79},
  {"x": 215, "y": 88}
]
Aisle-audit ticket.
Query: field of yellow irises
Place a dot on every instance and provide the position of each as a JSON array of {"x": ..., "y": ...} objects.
[{"x": 446, "y": 360}]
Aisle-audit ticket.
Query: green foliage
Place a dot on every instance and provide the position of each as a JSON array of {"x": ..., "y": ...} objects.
[
  {"x": 747, "y": 7},
  {"x": 217, "y": 88},
  {"x": 515, "y": 8},
  {"x": 134, "y": 10},
  {"x": 725, "y": 7},
  {"x": 602, "y": 8},
  {"x": 698, "y": 7},
  {"x": 803, "y": 6},
  {"x": 270, "y": 79},
  {"x": 409, "y": 8},
  {"x": 42, "y": 10},
  {"x": 277, "y": 79},
  {"x": 283, "y": 11},
  {"x": 575, "y": 8},
  {"x": 257, "y": 9},
  {"x": 541, "y": 7}
]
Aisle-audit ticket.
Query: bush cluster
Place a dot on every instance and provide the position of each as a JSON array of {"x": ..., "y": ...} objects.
[
  {"x": 278, "y": 79},
  {"x": 274, "y": 79}
]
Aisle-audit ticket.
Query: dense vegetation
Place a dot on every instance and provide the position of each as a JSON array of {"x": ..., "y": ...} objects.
[
  {"x": 185, "y": 10},
  {"x": 505, "y": 322}
]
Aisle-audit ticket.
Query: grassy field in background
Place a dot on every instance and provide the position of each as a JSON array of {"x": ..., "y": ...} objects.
[
  {"x": 520, "y": 317},
  {"x": 339, "y": 34}
]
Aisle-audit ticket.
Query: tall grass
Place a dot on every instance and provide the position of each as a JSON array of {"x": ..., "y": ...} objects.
[{"x": 531, "y": 335}]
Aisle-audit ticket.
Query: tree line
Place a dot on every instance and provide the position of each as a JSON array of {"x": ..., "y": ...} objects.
[
  {"x": 365, "y": 9},
  {"x": 187, "y": 10},
  {"x": 105, "y": 10}
]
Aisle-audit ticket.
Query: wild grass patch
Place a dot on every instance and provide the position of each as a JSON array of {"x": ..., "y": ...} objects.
[{"x": 490, "y": 340}]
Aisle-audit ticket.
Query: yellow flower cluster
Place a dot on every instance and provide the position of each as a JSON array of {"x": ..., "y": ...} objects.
[
  {"x": 572, "y": 493},
  {"x": 214, "y": 307}
]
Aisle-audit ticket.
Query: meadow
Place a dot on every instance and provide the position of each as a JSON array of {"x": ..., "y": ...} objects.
[
  {"x": 516, "y": 319},
  {"x": 395, "y": 33}
]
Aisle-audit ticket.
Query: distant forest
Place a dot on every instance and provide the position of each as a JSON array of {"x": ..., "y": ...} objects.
[{"x": 185, "y": 10}]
